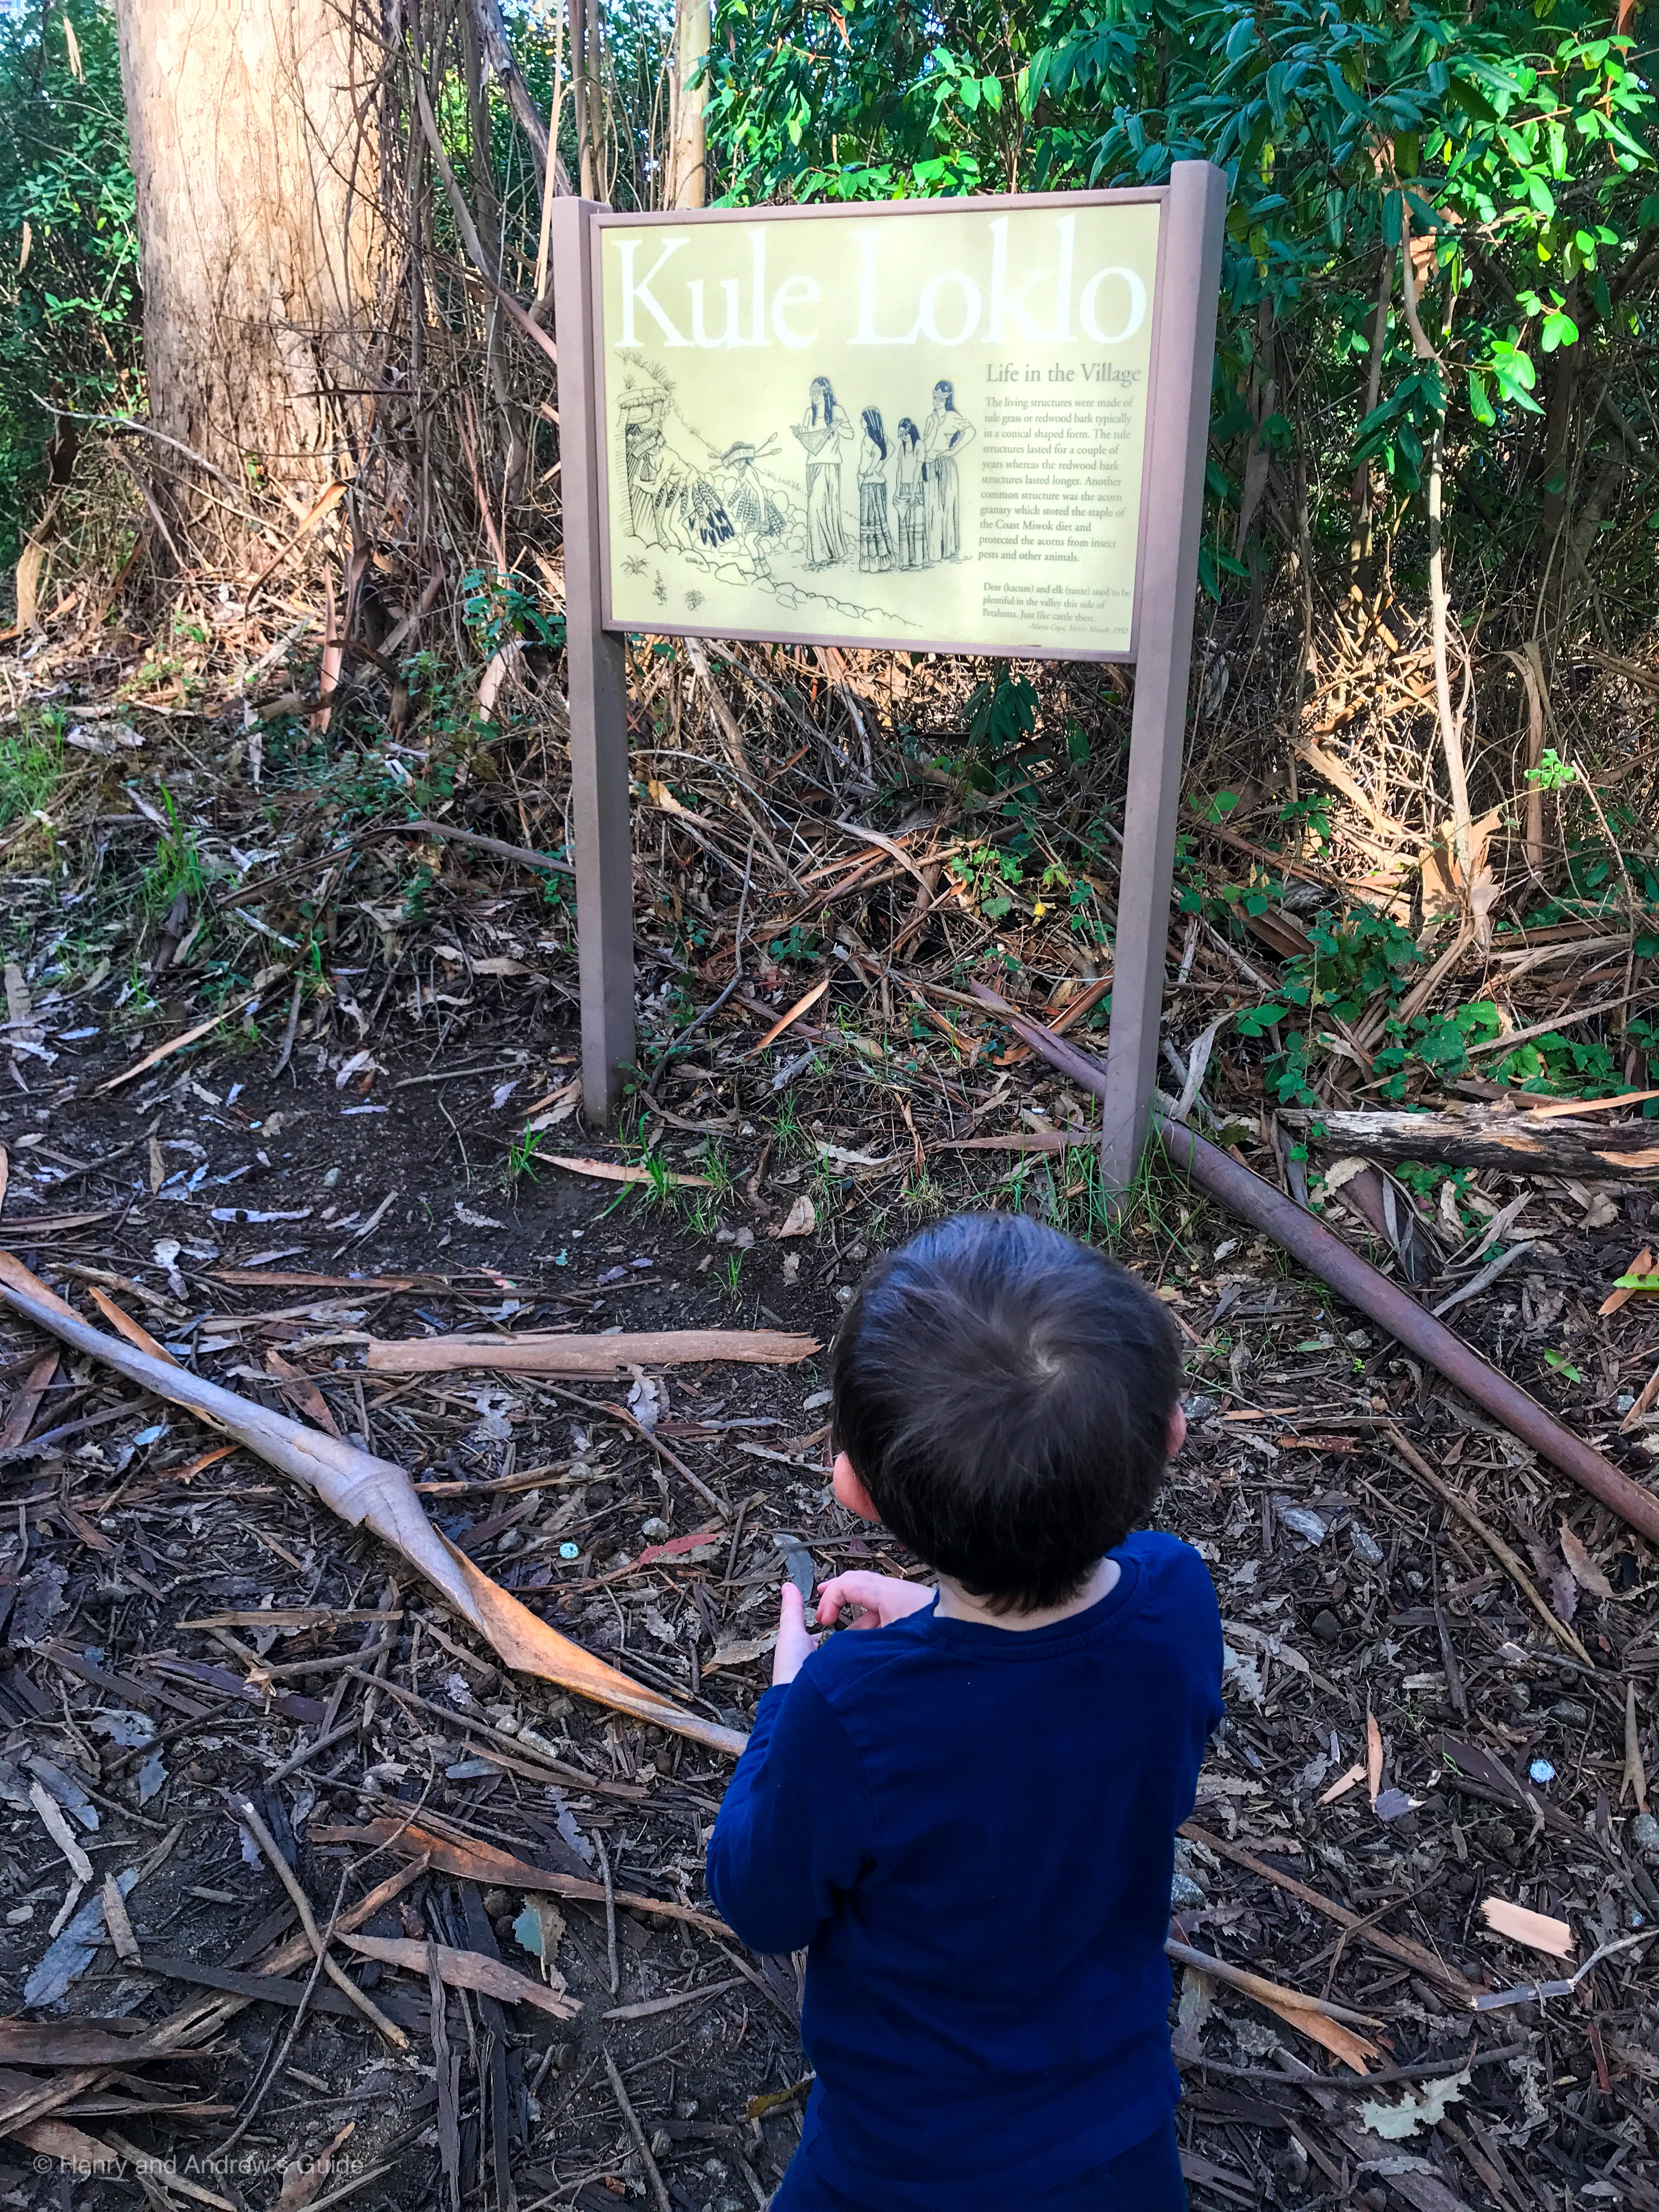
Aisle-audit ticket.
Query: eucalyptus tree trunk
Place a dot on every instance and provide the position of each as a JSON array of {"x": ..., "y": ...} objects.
[
  {"x": 252, "y": 131},
  {"x": 688, "y": 156},
  {"x": 588, "y": 93}
]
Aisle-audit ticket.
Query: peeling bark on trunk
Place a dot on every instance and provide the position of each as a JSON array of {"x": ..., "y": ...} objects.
[
  {"x": 258, "y": 235},
  {"x": 688, "y": 162}
]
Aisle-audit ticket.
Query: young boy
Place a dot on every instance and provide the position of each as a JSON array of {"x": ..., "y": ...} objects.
[{"x": 966, "y": 1813}]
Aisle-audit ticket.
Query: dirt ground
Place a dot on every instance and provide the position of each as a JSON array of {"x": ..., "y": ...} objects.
[
  {"x": 1440, "y": 1711},
  {"x": 1407, "y": 1737}
]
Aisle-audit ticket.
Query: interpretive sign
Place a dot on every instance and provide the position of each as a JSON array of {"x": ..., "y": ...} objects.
[
  {"x": 914, "y": 425},
  {"x": 962, "y": 426}
]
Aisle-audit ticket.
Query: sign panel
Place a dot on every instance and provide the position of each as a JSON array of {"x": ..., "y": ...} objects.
[{"x": 922, "y": 426}]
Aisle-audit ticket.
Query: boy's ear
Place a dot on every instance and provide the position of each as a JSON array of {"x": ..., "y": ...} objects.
[
  {"x": 1177, "y": 1429},
  {"x": 850, "y": 1491}
]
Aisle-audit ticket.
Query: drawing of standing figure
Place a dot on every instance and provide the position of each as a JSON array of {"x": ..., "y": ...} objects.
[
  {"x": 875, "y": 542},
  {"x": 909, "y": 497},
  {"x": 944, "y": 436},
  {"x": 823, "y": 430}
]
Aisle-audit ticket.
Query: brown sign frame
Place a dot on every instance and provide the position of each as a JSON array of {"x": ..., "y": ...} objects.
[
  {"x": 864, "y": 211},
  {"x": 1166, "y": 583}
]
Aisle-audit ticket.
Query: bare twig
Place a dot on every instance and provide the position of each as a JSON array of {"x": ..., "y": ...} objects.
[
  {"x": 654, "y": 2180},
  {"x": 342, "y": 1981}
]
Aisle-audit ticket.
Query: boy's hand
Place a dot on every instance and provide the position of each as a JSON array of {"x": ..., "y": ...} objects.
[
  {"x": 877, "y": 1600},
  {"x": 795, "y": 1644}
]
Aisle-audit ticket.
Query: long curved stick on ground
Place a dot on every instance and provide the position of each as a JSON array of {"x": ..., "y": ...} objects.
[
  {"x": 370, "y": 1493},
  {"x": 1323, "y": 1253}
]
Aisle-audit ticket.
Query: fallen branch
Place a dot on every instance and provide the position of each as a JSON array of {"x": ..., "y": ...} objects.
[
  {"x": 1516, "y": 1143},
  {"x": 497, "y": 1870},
  {"x": 176, "y": 1044},
  {"x": 1420, "y": 1960},
  {"x": 661, "y": 2201},
  {"x": 464, "y": 1970},
  {"x": 1323, "y": 1253},
  {"x": 1454, "y": 1502},
  {"x": 374, "y": 1493},
  {"x": 541, "y": 1355},
  {"x": 476, "y": 838},
  {"x": 1331, "y": 2025}
]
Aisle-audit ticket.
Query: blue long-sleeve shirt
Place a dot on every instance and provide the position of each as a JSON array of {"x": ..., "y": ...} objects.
[{"x": 971, "y": 1830}]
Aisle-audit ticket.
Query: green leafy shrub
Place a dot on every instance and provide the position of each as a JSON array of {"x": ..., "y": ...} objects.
[{"x": 69, "y": 247}]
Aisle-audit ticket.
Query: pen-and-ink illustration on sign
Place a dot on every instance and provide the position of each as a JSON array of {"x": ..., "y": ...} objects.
[{"x": 917, "y": 426}]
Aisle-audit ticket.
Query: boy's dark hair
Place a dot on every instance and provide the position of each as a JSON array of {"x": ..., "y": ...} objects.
[{"x": 1004, "y": 1395}]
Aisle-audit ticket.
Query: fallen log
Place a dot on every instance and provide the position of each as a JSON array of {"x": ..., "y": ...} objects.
[
  {"x": 1323, "y": 1253},
  {"x": 1519, "y": 1142},
  {"x": 540, "y": 1353}
]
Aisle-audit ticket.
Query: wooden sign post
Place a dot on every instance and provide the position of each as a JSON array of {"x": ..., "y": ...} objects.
[{"x": 969, "y": 425}]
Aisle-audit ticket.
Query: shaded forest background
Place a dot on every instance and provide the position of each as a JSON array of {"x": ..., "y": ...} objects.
[{"x": 1424, "y": 701}]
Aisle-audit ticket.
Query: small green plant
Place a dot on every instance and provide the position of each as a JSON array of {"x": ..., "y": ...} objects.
[
  {"x": 415, "y": 892},
  {"x": 31, "y": 763},
  {"x": 178, "y": 868},
  {"x": 1430, "y": 1183},
  {"x": 238, "y": 1040},
  {"x": 521, "y": 1157},
  {"x": 1582, "y": 1067},
  {"x": 660, "y": 1188},
  {"x": 702, "y": 1216},
  {"x": 81, "y": 964},
  {"x": 1001, "y": 714},
  {"x": 158, "y": 670},
  {"x": 499, "y": 608},
  {"x": 796, "y": 944},
  {"x": 1085, "y": 1212},
  {"x": 1312, "y": 814},
  {"x": 1563, "y": 1366},
  {"x": 787, "y": 1135},
  {"x": 137, "y": 1004},
  {"x": 1551, "y": 772},
  {"x": 1159, "y": 1208},
  {"x": 1439, "y": 1043},
  {"x": 923, "y": 1200},
  {"x": 823, "y": 1187},
  {"x": 731, "y": 1274},
  {"x": 985, "y": 873}
]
